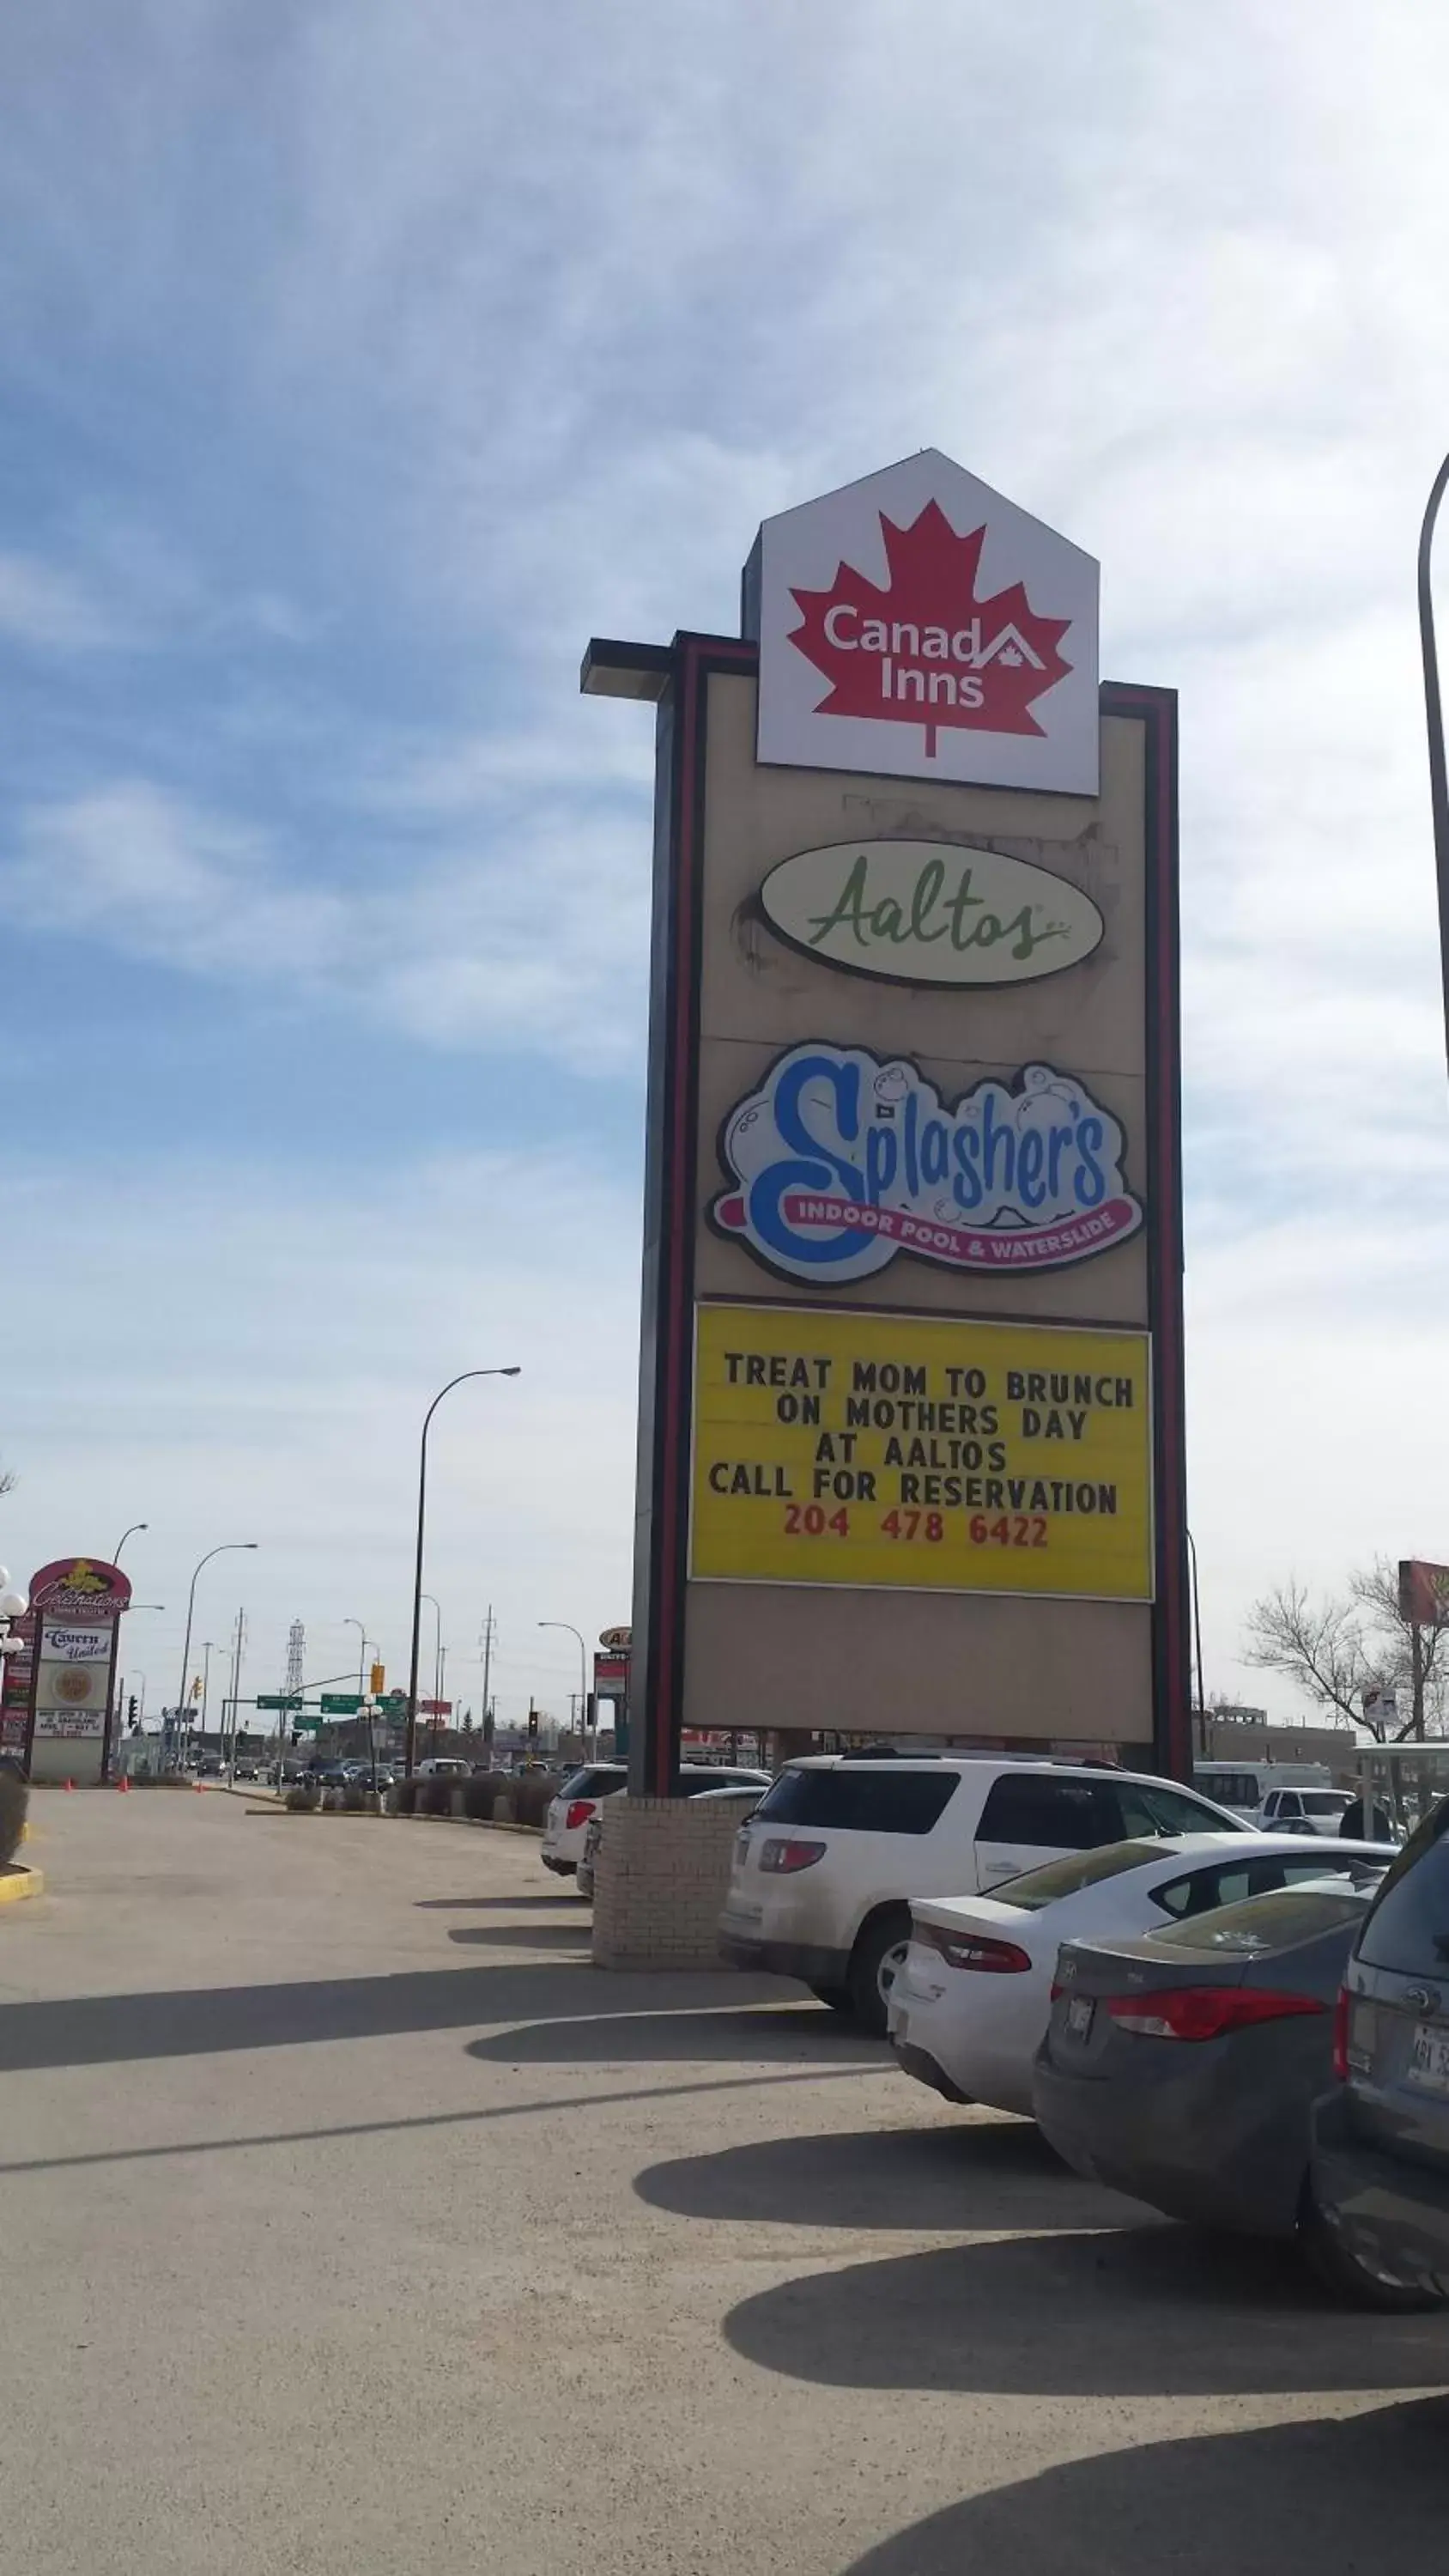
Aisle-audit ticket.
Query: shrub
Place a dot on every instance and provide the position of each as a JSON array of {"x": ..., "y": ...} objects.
[
  {"x": 404, "y": 1794},
  {"x": 531, "y": 1794},
  {"x": 480, "y": 1793},
  {"x": 301, "y": 1800},
  {"x": 435, "y": 1798},
  {"x": 358, "y": 1799},
  {"x": 14, "y": 1799}
]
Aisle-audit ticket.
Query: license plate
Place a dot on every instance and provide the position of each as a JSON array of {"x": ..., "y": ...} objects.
[
  {"x": 1429, "y": 2058},
  {"x": 1081, "y": 2013}
]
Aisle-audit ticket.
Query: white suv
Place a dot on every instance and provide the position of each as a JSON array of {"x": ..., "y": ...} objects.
[
  {"x": 824, "y": 1870},
  {"x": 1303, "y": 1811}
]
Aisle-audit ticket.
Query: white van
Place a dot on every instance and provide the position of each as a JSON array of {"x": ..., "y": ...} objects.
[{"x": 1245, "y": 1786}]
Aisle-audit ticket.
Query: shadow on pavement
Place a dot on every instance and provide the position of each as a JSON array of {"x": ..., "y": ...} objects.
[
  {"x": 526, "y": 2108},
  {"x": 789, "y": 2034},
  {"x": 498, "y": 1904},
  {"x": 524, "y": 1936},
  {"x": 1141, "y": 2311},
  {"x": 1339, "y": 2498},
  {"x": 101, "y": 2030},
  {"x": 972, "y": 2174}
]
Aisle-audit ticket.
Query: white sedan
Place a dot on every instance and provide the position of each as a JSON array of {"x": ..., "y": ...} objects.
[{"x": 972, "y": 1998}]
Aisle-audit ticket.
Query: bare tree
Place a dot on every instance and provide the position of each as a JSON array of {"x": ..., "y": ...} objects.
[
  {"x": 1415, "y": 1660},
  {"x": 1336, "y": 1649},
  {"x": 7, "y": 1480}
]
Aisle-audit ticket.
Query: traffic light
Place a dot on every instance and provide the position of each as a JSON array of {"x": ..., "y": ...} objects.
[
  {"x": 532, "y": 1725},
  {"x": 375, "y": 1686},
  {"x": 132, "y": 1709}
]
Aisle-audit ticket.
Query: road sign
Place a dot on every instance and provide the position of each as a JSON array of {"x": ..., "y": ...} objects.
[
  {"x": 435, "y": 1708},
  {"x": 341, "y": 1703},
  {"x": 278, "y": 1699}
]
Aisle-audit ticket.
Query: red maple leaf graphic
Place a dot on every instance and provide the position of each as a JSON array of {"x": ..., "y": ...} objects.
[{"x": 926, "y": 640}]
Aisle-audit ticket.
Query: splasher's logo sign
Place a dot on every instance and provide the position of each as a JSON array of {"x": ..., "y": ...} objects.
[
  {"x": 840, "y": 1161},
  {"x": 955, "y": 635}
]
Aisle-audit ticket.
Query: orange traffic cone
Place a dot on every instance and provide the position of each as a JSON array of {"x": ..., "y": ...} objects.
[
  {"x": 70, "y": 1784},
  {"x": 200, "y": 1787},
  {"x": 124, "y": 1783}
]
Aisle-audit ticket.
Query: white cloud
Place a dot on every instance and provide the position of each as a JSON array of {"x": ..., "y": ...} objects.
[
  {"x": 534, "y": 935},
  {"x": 48, "y": 610},
  {"x": 267, "y": 1350}
]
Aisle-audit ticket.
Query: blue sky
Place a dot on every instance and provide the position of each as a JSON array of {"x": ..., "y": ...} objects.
[{"x": 359, "y": 361}]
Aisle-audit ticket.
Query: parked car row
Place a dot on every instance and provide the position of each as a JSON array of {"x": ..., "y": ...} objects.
[
  {"x": 1247, "y": 2029},
  {"x": 825, "y": 1869}
]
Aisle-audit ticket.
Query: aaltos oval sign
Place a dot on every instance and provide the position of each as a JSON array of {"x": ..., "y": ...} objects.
[{"x": 930, "y": 912}]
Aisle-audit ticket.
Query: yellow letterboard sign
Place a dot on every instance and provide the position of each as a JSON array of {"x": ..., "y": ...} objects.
[{"x": 843, "y": 1447}]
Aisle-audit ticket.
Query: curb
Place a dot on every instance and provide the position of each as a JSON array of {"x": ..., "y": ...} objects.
[
  {"x": 17, "y": 1883},
  {"x": 354, "y": 1815}
]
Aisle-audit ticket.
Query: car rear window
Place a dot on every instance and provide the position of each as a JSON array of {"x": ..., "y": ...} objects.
[
  {"x": 1231, "y": 1788},
  {"x": 1408, "y": 1930},
  {"x": 1030, "y": 1807},
  {"x": 1038, "y": 1887},
  {"x": 1277, "y": 1920},
  {"x": 595, "y": 1780},
  {"x": 859, "y": 1800},
  {"x": 1326, "y": 1802}
]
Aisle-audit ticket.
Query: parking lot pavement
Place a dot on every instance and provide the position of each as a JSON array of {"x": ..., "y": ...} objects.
[{"x": 352, "y": 2221}]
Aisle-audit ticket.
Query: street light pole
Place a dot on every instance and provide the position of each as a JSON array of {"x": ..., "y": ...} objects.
[
  {"x": 228, "y": 1547},
  {"x": 410, "y": 1743},
  {"x": 1197, "y": 1645},
  {"x": 125, "y": 1534},
  {"x": 1434, "y": 715},
  {"x": 571, "y": 1631},
  {"x": 437, "y": 1609},
  {"x": 361, "y": 1654}
]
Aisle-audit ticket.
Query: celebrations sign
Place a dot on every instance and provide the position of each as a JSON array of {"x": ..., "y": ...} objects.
[
  {"x": 845, "y": 1160},
  {"x": 842, "y": 1447}
]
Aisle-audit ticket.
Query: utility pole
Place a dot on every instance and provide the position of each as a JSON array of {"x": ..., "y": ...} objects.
[
  {"x": 238, "y": 1642},
  {"x": 487, "y": 1643}
]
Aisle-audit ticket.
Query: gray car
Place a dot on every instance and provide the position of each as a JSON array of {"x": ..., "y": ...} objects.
[
  {"x": 1182, "y": 2067},
  {"x": 1381, "y": 2137}
]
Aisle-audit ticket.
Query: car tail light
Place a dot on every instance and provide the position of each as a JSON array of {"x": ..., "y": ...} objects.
[
  {"x": 1204, "y": 2012},
  {"x": 578, "y": 1813},
  {"x": 785, "y": 1857},
  {"x": 973, "y": 1950},
  {"x": 1343, "y": 2065}
]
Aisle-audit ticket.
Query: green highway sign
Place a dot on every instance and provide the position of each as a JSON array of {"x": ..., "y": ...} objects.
[
  {"x": 341, "y": 1703},
  {"x": 277, "y": 1699}
]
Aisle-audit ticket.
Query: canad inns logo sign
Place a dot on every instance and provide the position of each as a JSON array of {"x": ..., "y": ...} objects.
[{"x": 919, "y": 624}]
